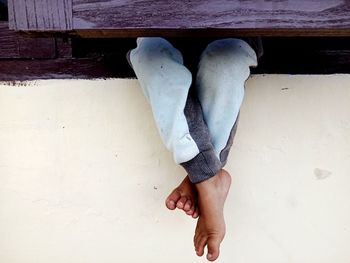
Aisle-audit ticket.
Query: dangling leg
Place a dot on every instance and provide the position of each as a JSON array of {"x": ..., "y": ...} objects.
[
  {"x": 222, "y": 72},
  {"x": 165, "y": 82}
]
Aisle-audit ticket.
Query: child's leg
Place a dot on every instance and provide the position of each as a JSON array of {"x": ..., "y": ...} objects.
[
  {"x": 165, "y": 82},
  {"x": 222, "y": 72}
]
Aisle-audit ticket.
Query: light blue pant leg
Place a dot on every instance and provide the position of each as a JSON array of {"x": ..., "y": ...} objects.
[
  {"x": 222, "y": 72},
  {"x": 165, "y": 82}
]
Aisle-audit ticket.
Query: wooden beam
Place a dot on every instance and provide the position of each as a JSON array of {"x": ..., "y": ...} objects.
[
  {"x": 178, "y": 18},
  {"x": 51, "y": 15},
  {"x": 9, "y": 47},
  {"x": 85, "y": 68},
  {"x": 132, "y": 18},
  {"x": 13, "y": 45},
  {"x": 208, "y": 32}
]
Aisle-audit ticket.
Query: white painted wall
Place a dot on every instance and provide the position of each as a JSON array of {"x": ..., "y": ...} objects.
[{"x": 83, "y": 175}]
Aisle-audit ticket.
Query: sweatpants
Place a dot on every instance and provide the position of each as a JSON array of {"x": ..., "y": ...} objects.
[{"x": 196, "y": 116}]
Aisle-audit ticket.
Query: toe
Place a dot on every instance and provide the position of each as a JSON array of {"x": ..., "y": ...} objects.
[
  {"x": 172, "y": 199},
  {"x": 191, "y": 211},
  {"x": 195, "y": 213},
  {"x": 170, "y": 204},
  {"x": 213, "y": 249},
  {"x": 181, "y": 203},
  {"x": 187, "y": 205},
  {"x": 200, "y": 245}
]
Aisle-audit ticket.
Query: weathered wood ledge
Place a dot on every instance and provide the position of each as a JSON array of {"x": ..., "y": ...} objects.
[{"x": 178, "y": 18}]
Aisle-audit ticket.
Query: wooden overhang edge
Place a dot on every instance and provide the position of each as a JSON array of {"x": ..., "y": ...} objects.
[{"x": 195, "y": 32}]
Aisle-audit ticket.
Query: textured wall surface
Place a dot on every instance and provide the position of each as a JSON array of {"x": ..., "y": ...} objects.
[{"x": 83, "y": 175}]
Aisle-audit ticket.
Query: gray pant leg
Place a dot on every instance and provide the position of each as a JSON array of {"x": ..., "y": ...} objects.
[
  {"x": 205, "y": 164},
  {"x": 226, "y": 150}
]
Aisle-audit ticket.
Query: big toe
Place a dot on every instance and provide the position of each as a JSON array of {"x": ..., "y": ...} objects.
[
  {"x": 213, "y": 249},
  {"x": 172, "y": 199},
  {"x": 200, "y": 244}
]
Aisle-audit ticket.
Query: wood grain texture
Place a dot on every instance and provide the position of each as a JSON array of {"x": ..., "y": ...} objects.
[
  {"x": 37, "y": 47},
  {"x": 52, "y": 15},
  {"x": 211, "y": 17},
  {"x": 210, "y": 32},
  {"x": 18, "y": 70},
  {"x": 13, "y": 45},
  {"x": 8, "y": 42}
]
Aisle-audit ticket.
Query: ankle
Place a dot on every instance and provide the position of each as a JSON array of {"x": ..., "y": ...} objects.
[
  {"x": 210, "y": 182},
  {"x": 221, "y": 179}
]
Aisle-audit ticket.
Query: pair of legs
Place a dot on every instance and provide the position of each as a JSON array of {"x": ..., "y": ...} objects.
[{"x": 197, "y": 119}]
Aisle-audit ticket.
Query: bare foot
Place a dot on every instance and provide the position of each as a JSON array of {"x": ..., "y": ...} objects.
[
  {"x": 184, "y": 197},
  {"x": 210, "y": 230}
]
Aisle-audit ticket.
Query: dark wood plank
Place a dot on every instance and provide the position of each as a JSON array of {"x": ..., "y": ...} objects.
[
  {"x": 85, "y": 68},
  {"x": 9, "y": 47},
  {"x": 37, "y": 47},
  {"x": 13, "y": 45},
  {"x": 210, "y": 32},
  {"x": 52, "y": 15},
  {"x": 132, "y": 18}
]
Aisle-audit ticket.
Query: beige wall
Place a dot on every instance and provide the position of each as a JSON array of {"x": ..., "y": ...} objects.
[{"x": 83, "y": 175}]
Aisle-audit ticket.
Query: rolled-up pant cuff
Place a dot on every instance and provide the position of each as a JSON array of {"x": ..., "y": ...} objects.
[{"x": 203, "y": 166}]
